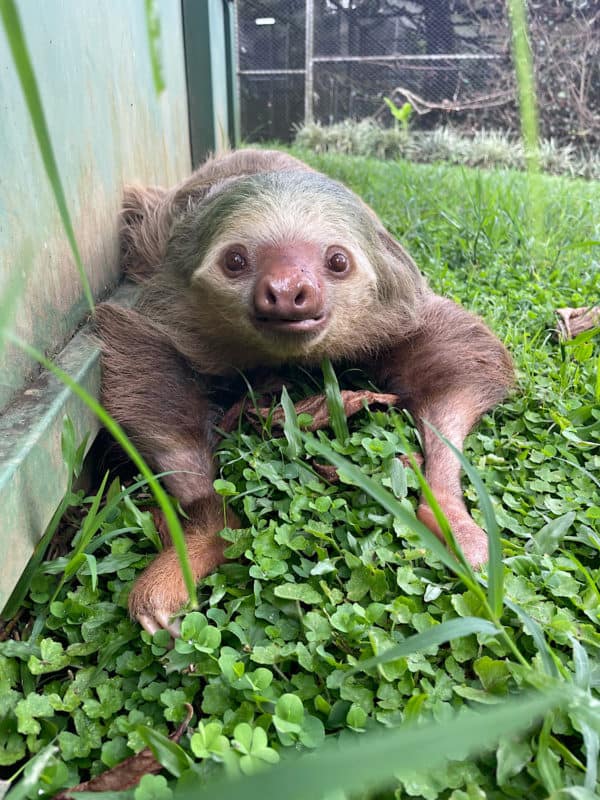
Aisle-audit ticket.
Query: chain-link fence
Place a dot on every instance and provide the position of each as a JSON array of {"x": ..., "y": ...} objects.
[{"x": 330, "y": 60}]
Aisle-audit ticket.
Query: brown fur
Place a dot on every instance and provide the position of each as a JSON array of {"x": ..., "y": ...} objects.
[{"x": 194, "y": 321}]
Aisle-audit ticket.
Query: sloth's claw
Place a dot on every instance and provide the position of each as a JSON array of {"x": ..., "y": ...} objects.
[
  {"x": 173, "y": 626},
  {"x": 148, "y": 623},
  {"x": 160, "y": 620},
  {"x": 154, "y": 601}
]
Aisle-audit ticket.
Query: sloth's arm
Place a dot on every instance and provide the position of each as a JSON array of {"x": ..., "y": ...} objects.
[
  {"x": 150, "y": 390},
  {"x": 450, "y": 372}
]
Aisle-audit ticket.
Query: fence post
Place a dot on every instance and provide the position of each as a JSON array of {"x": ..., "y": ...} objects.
[
  {"x": 309, "y": 64},
  {"x": 208, "y": 40}
]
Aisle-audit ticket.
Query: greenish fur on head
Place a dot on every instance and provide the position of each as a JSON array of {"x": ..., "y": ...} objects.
[{"x": 268, "y": 206}]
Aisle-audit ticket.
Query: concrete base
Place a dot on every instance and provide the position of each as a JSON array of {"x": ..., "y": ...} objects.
[{"x": 33, "y": 476}]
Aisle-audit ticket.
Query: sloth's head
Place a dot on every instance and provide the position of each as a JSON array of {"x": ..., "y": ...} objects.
[{"x": 293, "y": 265}]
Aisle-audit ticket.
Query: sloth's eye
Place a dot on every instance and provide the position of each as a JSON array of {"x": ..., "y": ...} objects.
[
  {"x": 338, "y": 262},
  {"x": 235, "y": 261}
]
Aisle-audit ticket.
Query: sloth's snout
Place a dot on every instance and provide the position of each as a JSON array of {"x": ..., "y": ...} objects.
[{"x": 288, "y": 293}]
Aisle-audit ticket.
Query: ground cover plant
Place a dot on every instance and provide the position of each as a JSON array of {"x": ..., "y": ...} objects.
[{"x": 326, "y": 578}]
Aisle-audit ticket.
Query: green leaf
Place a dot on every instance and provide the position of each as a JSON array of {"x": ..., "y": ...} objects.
[
  {"x": 298, "y": 591},
  {"x": 195, "y": 630},
  {"x": 168, "y": 753},
  {"x": 535, "y": 631},
  {"x": 208, "y": 741},
  {"x": 30, "y": 709},
  {"x": 356, "y": 718},
  {"x": 224, "y": 488},
  {"x": 289, "y": 714},
  {"x": 512, "y": 756},
  {"x": 397, "y": 475},
  {"x": 152, "y": 787},
  {"x": 291, "y": 429},
  {"x": 312, "y": 734},
  {"x": 52, "y": 658},
  {"x": 493, "y": 674},
  {"x": 252, "y": 743},
  {"x": 548, "y": 538}
]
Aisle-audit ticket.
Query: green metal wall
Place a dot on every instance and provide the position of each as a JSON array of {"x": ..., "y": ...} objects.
[
  {"x": 211, "y": 56},
  {"x": 108, "y": 127}
]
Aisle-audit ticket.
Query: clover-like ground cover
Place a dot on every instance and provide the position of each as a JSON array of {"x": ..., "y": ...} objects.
[{"x": 325, "y": 577}]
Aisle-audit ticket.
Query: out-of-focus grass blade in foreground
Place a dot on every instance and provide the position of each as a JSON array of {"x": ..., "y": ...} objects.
[{"x": 372, "y": 760}]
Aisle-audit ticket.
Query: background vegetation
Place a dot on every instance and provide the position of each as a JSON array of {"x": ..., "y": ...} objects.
[{"x": 488, "y": 149}]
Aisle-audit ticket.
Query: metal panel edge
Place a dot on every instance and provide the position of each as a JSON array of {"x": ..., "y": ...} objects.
[{"x": 32, "y": 471}]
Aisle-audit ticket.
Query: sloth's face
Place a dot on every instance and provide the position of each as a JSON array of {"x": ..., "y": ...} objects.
[
  {"x": 291, "y": 285},
  {"x": 290, "y": 298},
  {"x": 290, "y": 266}
]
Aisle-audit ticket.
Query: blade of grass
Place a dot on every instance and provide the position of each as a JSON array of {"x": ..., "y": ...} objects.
[
  {"x": 291, "y": 430},
  {"x": 439, "y": 634},
  {"x": 534, "y": 630},
  {"x": 373, "y": 759},
  {"x": 121, "y": 437},
  {"x": 22, "y": 61},
  {"x": 523, "y": 61},
  {"x": 592, "y": 753},
  {"x": 32, "y": 772},
  {"x": 153, "y": 33},
  {"x": 93, "y": 567},
  {"x": 167, "y": 752},
  {"x": 89, "y": 527},
  {"x": 524, "y": 68},
  {"x": 495, "y": 566},
  {"x": 438, "y": 513},
  {"x": 335, "y": 404}
]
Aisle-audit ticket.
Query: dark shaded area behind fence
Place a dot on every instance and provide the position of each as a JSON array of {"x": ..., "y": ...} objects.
[{"x": 330, "y": 60}]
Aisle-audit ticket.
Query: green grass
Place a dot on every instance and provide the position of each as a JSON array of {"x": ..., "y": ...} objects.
[{"x": 334, "y": 622}]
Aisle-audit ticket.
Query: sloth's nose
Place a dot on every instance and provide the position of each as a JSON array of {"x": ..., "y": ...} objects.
[{"x": 288, "y": 294}]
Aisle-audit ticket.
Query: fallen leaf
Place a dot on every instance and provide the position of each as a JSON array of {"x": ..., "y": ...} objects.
[{"x": 128, "y": 773}]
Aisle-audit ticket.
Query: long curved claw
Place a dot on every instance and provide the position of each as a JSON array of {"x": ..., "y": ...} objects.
[
  {"x": 148, "y": 623},
  {"x": 173, "y": 626},
  {"x": 160, "y": 620}
]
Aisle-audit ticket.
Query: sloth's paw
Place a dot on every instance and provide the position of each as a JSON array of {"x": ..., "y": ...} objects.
[
  {"x": 157, "y": 596},
  {"x": 471, "y": 538}
]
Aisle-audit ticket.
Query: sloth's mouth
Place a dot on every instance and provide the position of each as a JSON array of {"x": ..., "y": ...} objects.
[{"x": 291, "y": 326}]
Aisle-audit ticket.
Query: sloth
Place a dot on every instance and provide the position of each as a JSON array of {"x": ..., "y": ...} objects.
[{"x": 257, "y": 261}]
